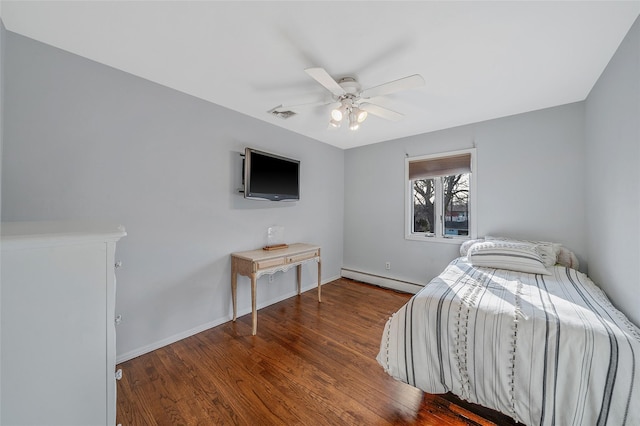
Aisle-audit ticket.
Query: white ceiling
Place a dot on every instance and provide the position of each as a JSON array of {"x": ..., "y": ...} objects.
[{"x": 481, "y": 60}]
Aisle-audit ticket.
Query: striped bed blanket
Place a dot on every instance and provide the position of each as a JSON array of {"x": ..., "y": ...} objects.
[{"x": 543, "y": 349}]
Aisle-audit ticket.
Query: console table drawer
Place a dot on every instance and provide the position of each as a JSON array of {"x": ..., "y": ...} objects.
[
  {"x": 301, "y": 257},
  {"x": 270, "y": 263}
]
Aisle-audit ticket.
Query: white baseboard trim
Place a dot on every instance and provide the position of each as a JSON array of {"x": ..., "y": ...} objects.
[
  {"x": 392, "y": 283},
  {"x": 187, "y": 333},
  {"x": 169, "y": 340}
]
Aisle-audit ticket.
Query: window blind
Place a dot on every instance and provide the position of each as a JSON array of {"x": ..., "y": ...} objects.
[{"x": 441, "y": 166}]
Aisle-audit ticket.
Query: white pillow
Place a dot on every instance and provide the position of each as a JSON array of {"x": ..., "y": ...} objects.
[
  {"x": 548, "y": 251},
  {"x": 521, "y": 257},
  {"x": 464, "y": 247},
  {"x": 567, "y": 258}
]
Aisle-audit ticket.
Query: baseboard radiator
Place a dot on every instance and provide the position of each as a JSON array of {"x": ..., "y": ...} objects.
[{"x": 392, "y": 283}]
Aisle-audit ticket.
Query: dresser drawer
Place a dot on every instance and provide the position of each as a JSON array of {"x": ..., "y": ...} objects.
[
  {"x": 270, "y": 263},
  {"x": 301, "y": 257}
]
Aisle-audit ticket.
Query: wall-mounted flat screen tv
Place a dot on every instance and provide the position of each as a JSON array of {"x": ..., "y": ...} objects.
[{"x": 270, "y": 177}]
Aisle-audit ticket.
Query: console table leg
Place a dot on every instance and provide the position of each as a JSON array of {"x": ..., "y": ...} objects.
[
  {"x": 234, "y": 293},
  {"x": 319, "y": 280},
  {"x": 299, "y": 273},
  {"x": 254, "y": 312}
]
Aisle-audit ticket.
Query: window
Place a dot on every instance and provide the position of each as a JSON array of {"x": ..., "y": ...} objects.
[{"x": 440, "y": 196}]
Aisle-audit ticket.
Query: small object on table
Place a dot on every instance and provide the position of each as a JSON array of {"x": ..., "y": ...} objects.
[{"x": 275, "y": 247}]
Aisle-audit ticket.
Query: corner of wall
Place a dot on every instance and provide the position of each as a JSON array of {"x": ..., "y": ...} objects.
[
  {"x": 2, "y": 37},
  {"x": 612, "y": 177}
]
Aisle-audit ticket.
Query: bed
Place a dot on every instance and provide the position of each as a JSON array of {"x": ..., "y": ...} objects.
[{"x": 544, "y": 347}]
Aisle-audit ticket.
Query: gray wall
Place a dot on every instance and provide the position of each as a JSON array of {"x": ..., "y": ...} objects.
[
  {"x": 529, "y": 182},
  {"x": 3, "y": 33},
  {"x": 612, "y": 177},
  {"x": 85, "y": 141}
]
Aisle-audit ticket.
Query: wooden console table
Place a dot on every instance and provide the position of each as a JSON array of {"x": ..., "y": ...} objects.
[{"x": 255, "y": 263}]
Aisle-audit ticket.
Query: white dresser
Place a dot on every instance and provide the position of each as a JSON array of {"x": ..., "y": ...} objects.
[{"x": 57, "y": 332}]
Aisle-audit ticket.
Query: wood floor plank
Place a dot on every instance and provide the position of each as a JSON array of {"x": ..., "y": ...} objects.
[{"x": 310, "y": 364}]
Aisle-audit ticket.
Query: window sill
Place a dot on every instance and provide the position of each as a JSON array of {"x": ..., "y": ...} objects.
[{"x": 428, "y": 239}]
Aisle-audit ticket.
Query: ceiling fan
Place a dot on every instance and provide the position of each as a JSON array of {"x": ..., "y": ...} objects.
[{"x": 352, "y": 103}]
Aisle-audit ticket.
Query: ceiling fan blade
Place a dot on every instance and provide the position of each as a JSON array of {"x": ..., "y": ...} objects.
[
  {"x": 301, "y": 106},
  {"x": 381, "y": 111},
  {"x": 323, "y": 77},
  {"x": 405, "y": 83}
]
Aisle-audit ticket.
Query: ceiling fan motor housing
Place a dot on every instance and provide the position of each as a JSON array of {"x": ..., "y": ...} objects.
[{"x": 350, "y": 85}]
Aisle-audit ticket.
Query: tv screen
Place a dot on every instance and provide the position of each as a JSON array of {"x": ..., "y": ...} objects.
[{"x": 270, "y": 177}]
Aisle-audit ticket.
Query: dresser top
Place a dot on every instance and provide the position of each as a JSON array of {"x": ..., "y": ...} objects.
[{"x": 54, "y": 232}]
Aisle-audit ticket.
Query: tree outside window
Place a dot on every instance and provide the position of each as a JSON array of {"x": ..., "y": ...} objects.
[{"x": 455, "y": 201}]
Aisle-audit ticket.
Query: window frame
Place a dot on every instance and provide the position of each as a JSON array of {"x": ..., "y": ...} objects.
[{"x": 439, "y": 236}]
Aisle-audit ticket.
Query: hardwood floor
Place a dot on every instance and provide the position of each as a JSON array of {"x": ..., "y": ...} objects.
[{"x": 310, "y": 364}]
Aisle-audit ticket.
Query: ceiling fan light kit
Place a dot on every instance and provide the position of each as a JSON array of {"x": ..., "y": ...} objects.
[
  {"x": 349, "y": 109},
  {"x": 355, "y": 103},
  {"x": 361, "y": 115},
  {"x": 338, "y": 114},
  {"x": 353, "y": 121}
]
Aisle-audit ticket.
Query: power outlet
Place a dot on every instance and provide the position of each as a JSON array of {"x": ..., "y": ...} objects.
[
  {"x": 271, "y": 277},
  {"x": 387, "y": 266}
]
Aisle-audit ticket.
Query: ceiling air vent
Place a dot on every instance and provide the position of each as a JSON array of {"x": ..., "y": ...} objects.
[{"x": 282, "y": 114}]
